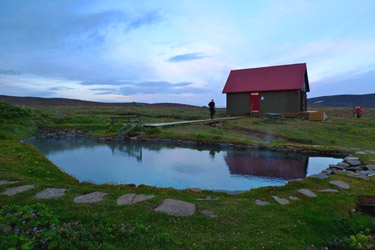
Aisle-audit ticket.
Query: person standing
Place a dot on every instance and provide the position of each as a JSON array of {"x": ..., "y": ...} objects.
[
  {"x": 358, "y": 111},
  {"x": 212, "y": 108}
]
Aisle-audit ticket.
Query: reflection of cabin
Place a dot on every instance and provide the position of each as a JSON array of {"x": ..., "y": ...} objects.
[
  {"x": 269, "y": 89},
  {"x": 263, "y": 165}
]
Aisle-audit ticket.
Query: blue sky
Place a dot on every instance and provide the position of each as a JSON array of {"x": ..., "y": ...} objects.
[{"x": 180, "y": 51}]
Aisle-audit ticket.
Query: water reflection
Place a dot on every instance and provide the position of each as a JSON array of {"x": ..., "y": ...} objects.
[
  {"x": 177, "y": 165},
  {"x": 267, "y": 164}
]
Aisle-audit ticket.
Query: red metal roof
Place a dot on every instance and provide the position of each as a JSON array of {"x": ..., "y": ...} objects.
[{"x": 274, "y": 78}]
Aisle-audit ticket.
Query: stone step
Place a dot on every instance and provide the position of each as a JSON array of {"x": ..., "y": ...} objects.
[
  {"x": 176, "y": 208},
  {"x": 50, "y": 193},
  {"x": 307, "y": 193},
  {"x": 15, "y": 190},
  {"x": 90, "y": 197},
  {"x": 340, "y": 184},
  {"x": 127, "y": 199}
]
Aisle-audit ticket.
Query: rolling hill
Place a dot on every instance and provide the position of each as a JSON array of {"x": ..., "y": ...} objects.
[
  {"x": 39, "y": 101},
  {"x": 367, "y": 101}
]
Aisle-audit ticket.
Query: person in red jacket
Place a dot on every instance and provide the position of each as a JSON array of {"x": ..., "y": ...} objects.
[{"x": 358, "y": 111}]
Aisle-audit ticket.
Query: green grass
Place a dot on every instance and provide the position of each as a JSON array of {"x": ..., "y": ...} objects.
[{"x": 240, "y": 224}]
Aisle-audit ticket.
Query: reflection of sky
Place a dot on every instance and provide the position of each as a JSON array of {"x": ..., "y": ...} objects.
[{"x": 178, "y": 167}]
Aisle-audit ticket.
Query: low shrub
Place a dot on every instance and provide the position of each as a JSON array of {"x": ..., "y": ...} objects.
[
  {"x": 35, "y": 227},
  {"x": 8, "y": 111}
]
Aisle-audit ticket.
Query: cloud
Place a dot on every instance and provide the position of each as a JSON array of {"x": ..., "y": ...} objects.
[
  {"x": 9, "y": 72},
  {"x": 59, "y": 88},
  {"x": 149, "y": 87},
  {"x": 146, "y": 19},
  {"x": 187, "y": 57}
]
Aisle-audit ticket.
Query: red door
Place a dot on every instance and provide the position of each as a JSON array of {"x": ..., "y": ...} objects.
[{"x": 254, "y": 102}]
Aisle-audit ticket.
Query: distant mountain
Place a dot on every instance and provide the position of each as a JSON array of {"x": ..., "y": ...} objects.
[
  {"x": 367, "y": 101},
  {"x": 39, "y": 101}
]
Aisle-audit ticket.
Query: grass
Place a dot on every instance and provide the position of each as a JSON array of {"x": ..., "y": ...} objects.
[{"x": 240, "y": 224}]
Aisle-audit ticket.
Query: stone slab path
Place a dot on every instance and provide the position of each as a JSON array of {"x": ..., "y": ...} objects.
[
  {"x": 261, "y": 203},
  {"x": 15, "y": 190},
  {"x": 90, "y": 198},
  {"x": 5, "y": 182},
  {"x": 293, "y": 198},
  {"x": 329, "y": 191},
  {"x": 176, "y": 208},
  {"x": 127, "y": 199},
  {"x": 307, "y": 193},
  {"x": 50, "y": 193},
  {"x": 281, "y": 201},
  {"x": 340, "y": 184},
  {"x": 209, "y": 213}
]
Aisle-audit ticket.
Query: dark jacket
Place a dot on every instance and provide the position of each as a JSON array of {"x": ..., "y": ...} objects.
[{"x": 211, "y": 105}]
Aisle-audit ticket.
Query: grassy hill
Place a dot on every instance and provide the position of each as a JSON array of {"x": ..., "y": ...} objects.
[
  {"x": 367, "y": 101},
  {"x": 56, "y": 102}
]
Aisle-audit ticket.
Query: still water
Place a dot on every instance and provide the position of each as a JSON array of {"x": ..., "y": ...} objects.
[{"x": 176, "y": 165}]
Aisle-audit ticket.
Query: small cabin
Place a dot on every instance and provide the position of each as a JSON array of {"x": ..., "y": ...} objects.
[{"x": 274, "y": 89}]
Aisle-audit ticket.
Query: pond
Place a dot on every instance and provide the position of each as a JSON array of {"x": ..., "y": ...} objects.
[{"x": 177, "y": 165}]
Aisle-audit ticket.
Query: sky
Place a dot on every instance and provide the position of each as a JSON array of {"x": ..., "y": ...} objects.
[{"x": 180, "y": 51}]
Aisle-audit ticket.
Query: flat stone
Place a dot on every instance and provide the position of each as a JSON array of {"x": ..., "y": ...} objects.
[
  {"x": 354, "y": 162},
  {"x": 281, "y": 201},
  {"x": 319, "y": 176},
  {"x": 261, "y": 203},
  {"x": 208, "y": 198},
  {"x": 343, "y": 164},
  {"x": 90, "y": 198},
  {"x": 293, "y": 198},
  {"x": 127, "y": 199},
  {"x": 49, "y": 193},
  {"x": 5, "y": 182},
  {"x": 307, "y": 192},
  {"x": 370, "y": 151},
  {"x": 176, "y": 208},
  {"x": 209, "y": 213},
  {"x": 370, "y": 167},
  {"x": 15, "y": 190},
  {"x": 360, "y": 152},
  {"x": 329, "y": 191},
  {"x": 357, "y": 175},
  {"x": 340, "y": 184},
  {"x": 351, "y": 158}
]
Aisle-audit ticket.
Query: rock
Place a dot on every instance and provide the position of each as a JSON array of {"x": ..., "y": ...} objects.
[
  {"x": 370, "y": 167},
  {"x": 209, "y": 213},
  {"x": 281, "y": 201},
  {"x": 261, "y": 203},
  {"x": 328, "y": 191},
  {"x": 49, "y": 193},
  {"x": 370, "y": 151},
  {"x": 353, "y": 162},
  {"x": 208, "y": 198},
  {"x": 5, "y": 182},
  {"x": 90, "y": 198},
  {"x": 319, "y": 176},
  {"x": 343, "y": 164},
  {"x": 340, "y": 184},
  {"x": 15, "y": 190},
  {"x": 360, "y": 153},
  {"x": 351, "y": 158},
  {"x": 307, "y": 192},
  {"x": 358, "y": 176},
  {"x": 332, "y": 166},
  {"x": 293, "y": 198},
  {"x": 128, "y": 199},
  {"x": 176, "y": 208}
]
